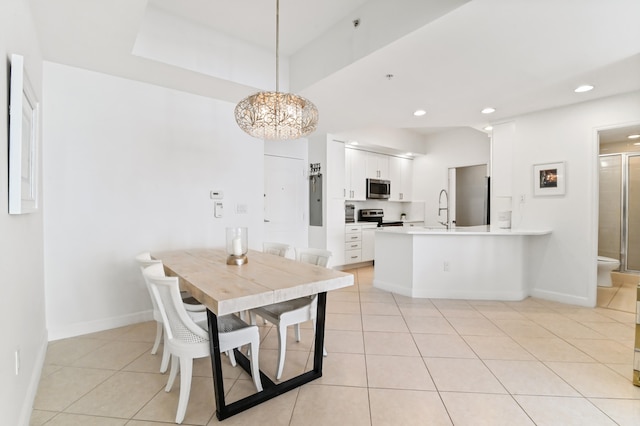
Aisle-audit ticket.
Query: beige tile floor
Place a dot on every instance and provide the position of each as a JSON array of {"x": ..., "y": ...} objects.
[
  {"x": 622, "y": 294},
  {"x": 392, "y": 361}
]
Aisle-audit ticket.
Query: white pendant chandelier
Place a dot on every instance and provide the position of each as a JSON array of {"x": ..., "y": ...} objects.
[{"x": 276, "y": 115}]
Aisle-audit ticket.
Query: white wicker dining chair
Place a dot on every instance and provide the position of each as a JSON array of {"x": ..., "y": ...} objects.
[
  {"x": 279, "y": 249},
  {"x": 296, "y": 311},
  {"x": 197, "y": 311},
  {"x": 187, "y": 339}
]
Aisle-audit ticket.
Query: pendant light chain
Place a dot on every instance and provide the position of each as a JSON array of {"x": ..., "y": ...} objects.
[
  {"x": 275, "y": 115},
  {"x": 277, "y": 45}
]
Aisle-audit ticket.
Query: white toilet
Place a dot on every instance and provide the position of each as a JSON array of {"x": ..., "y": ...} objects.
[{"x": 605, "y": 266}]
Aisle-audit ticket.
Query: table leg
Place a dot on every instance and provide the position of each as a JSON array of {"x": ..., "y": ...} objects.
[
  {"x": 216, "y": 362},
  {"x": 319, "y": 343},
  {"x": 270, "y": 389}
]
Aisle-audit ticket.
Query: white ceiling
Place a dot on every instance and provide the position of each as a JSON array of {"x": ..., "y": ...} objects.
[{"x": 517, "y": 56}]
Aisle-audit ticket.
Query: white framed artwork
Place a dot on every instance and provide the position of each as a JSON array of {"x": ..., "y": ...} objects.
[
  {"x": 548, "y": 179},
  {"x": 23, "y": 141}
]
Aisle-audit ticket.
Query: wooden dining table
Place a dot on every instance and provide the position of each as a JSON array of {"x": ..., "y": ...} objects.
[{"x": 263, "y": 280}]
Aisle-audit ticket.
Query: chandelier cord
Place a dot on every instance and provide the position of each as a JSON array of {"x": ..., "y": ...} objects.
[
  {"x": 274, "y": 115},
  {"x": 277, "y": 45}
]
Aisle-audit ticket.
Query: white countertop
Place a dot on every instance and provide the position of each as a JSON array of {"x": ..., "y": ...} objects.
[{"x": 462, "y": 230}]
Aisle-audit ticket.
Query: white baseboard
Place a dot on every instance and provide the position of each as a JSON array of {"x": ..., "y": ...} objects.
[
  {"x": 34, "y": 381},
  {"x": 393, "y": 288},
  {"x": 561, "y": 298},
  {"x": 78, "y": 329}
]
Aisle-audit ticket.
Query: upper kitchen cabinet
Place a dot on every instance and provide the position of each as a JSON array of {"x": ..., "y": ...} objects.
[
  {"x": 401, "y": 177},
  {"x": 355, "y": 174},
  {"x": 377, "y": 165}
]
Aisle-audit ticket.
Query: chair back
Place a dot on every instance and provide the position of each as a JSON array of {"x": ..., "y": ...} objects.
[
  {"x": 166, "y": 291},
  {"x": 313, "y": 255},
  {"x": 144, "y": 260},
  {"x": 279, "y": 249}
]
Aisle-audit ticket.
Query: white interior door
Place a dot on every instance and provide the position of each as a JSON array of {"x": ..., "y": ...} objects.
[{"x": 285, "y": 201}]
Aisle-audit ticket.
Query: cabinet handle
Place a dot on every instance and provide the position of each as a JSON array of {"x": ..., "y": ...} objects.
[{"x": 354, "y": 257}]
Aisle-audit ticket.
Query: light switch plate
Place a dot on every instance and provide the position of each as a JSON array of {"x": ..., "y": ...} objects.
[{"x": 216, "y": 195}]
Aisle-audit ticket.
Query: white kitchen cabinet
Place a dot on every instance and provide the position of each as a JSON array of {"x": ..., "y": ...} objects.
[
  {"x": 368, "y": 242},
  {"x": 355, "y": 174},
  {"x": 401, "y": 177},
  {"x": 331, "y": 235},
  {"x": 377, "y": 165},
  {"x": 353, "y": 244}
]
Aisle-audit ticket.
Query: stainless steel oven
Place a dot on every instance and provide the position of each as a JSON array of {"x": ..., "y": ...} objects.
[
  {"x": 376, "y": 215},
  {"x": 378, "y": 189}
]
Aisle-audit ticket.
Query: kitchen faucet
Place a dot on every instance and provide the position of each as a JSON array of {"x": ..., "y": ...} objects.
[{"x": 446, "y": 208}]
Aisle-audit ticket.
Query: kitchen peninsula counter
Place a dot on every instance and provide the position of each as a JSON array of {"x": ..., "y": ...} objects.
[
  {"x": 464, "y": 230},
  {"x": 479, "y": 262}
]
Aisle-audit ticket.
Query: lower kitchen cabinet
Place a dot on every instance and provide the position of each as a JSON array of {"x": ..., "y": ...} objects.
[
  {"x": 359, "y": 243},
  {"x": 368, "y": 242},
  {"x": 353, "y": 244}
]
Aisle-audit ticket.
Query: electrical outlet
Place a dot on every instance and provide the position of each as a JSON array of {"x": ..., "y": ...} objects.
[
  {"x": 446, "y": 266},
  {"x": 522, "y": 199}
]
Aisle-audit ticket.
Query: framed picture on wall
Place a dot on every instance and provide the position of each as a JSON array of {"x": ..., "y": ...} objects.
[
  {"x": 548, "y": 179},
  {"x": 23, "y": 141}
]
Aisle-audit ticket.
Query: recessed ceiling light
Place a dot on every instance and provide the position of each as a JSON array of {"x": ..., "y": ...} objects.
[
  {"x": 488, "y": 110},
  {"x": 636, "y": 144},
  {"x": 633, "y": 136},
  {"x": 353, "y": 143},
  {"x": 488, "y": 128},
  {"x": 419, "y": 112},
  {"x": 409, "y": 154},
  {"x": 583, "y": 88}
]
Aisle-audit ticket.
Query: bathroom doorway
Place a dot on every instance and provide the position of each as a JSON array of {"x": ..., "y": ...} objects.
[
  {"x": 619, "y": 197},
  {"x": 619, "y": 214}
]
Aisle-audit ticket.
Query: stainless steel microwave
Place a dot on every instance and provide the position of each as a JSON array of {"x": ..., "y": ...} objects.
[{"x": 378, "y": 189}]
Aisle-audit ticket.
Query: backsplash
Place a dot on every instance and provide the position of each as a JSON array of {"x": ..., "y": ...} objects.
[{"x": 392, "y": 210}]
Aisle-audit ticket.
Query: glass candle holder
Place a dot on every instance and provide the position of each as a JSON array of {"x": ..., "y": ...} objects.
[{"x": 237, "y": 246}]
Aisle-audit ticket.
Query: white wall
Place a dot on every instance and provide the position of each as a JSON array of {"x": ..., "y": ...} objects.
[
  {"x": 566, "y": 262},
  {"x": 318, "y": 154},
  {"x": 22, "y": 307},
  {"x": 455, "y": 148},
  {"x": 128, "y": 168}
]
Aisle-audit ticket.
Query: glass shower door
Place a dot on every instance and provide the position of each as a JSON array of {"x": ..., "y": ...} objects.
[
  {"x": 610, "y": 217},
  {"x": 633, "y": 213}
]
